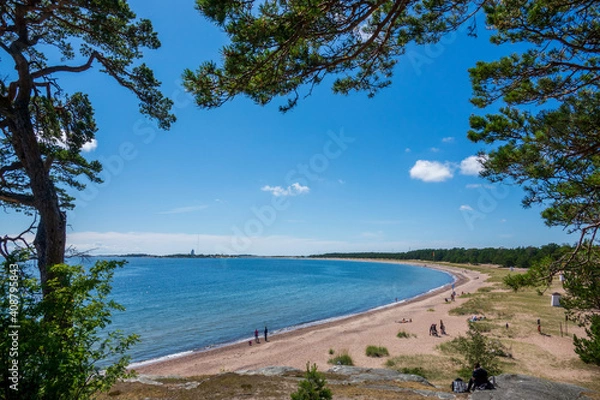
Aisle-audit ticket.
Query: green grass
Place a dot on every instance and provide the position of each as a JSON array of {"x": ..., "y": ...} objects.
[
  {"x": 377, "y": 351},
  {"x": 478, "y": 304},
  {"x": 437, "y": 369},
  {"x": 343, "y": 358},
  {"x": 405, "y": 335},
  {"x": 414, "y": 371}
]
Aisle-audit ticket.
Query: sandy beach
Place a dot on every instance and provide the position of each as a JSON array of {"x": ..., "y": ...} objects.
[{"x": 354, "y": 334}]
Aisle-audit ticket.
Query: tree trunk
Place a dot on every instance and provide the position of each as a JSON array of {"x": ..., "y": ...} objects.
[{"x": 50, "y": 240}]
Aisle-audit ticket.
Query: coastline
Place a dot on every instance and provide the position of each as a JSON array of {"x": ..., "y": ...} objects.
[{"x": 295, "y": 346}]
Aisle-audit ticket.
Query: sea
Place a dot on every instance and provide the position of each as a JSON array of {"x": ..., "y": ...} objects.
[{"x": 181, "y": 305}]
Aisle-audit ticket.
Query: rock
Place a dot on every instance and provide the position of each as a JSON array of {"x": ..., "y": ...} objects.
[
  {"x": 522, "y": 387},
  {"x": 146, "y": 379},
  {"x": 270, "y": 371},
  {"x": 358, "y": 374},
  {"x": 188, "y": 385}
]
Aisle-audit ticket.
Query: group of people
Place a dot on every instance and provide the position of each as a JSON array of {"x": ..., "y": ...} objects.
[
  {"x": 266, "y": 332},
  {"x": 433, "y": 329}
]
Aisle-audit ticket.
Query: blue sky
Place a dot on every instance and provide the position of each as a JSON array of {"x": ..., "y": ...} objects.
[{"x": 338, "y": 173}]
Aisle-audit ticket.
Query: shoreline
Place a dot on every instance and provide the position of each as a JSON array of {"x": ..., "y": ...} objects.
[
  {"x": 283, "y": 344},
  {"x": 310, "y": 324}
]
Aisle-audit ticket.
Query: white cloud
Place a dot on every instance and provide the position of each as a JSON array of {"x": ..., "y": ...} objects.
[
  {"x": 466, "y": 207},
  {"x": 435, "y": 150},
  {"x": 292, "y": 190},
  {"x": 184, "y": 210},
  {"x": 62, "y": 142},
  {"x": 89, "y": 146},
  {"x": 448, "y": 139},
  {"x": 472, "y": 165},
  {"x": 431, "y": 171},
  {"x": 407, "y": 150}
]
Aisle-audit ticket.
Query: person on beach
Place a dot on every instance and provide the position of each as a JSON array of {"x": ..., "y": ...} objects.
[
  {"x": 442, "y": 327},
  {"x": 433, "y": 330},
  {"x": 266, "y": 332},
  {"x": 256, "y": 335}
]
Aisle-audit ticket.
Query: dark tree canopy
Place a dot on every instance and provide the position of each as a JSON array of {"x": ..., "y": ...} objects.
[
  {"x": 43, "y": 127},
  {"x": 280, "y": 48}
]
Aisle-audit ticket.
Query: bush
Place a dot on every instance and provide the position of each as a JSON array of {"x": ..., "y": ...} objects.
[
  {"x": 342, "y": 359},
  {"x": 589, "y": 349},
  {"x": 59, "y": 340},
  {"x": 313, "y": 386},
  {"x": 477, "y": 348},
  {"x": 405, "y": 335},
  {"x": 377, "y": 351}
]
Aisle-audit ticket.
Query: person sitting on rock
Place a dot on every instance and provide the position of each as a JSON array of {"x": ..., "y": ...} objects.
[{"x": 479, "y": 378}]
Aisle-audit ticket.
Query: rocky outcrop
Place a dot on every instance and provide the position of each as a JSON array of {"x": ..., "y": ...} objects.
[
  {"x": 523, "y": 387},
  {"x": 360, "y": 375},
  {"x": 370, "y": 380}
]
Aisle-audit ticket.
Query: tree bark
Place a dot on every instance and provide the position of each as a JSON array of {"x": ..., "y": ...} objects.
[{"x": 50, "y": 240}]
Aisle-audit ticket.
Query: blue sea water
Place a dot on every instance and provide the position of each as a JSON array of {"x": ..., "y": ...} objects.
[{"x": 180, "y": 305}]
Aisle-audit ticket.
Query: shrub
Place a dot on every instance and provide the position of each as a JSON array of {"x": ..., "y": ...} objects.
[
  {"x": 341, "y": 359},
  {"x": 477, "y": 348},
  {"x": 377, "y": 351},
  {"x": 59, "y": 333},
  {"x": 589, "y": 349},
  {"x": 405, "y": 335},
  {"x": 331, "y": 351},
  {"x": 313, "y": 386}
]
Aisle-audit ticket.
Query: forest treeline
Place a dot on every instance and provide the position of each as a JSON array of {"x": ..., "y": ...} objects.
[{"x": 520, "y": 257}]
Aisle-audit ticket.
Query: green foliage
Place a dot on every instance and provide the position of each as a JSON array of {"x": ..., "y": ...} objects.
[
  {"x": 589, "y": 349},
  {"x": 313, "y": 386},
  {"x": 377, "y": 351},
  {"x": 521, "y": 257},
  {"x": 405, "y": 335},
  {"x": 343, "y": 358},
  {"x": 61, "y": 336},
  {"x": 476, "y": 305},
  {"x": 477, "y": 348},
  {"x": 414, "y": 371},
  {"x": 550, "y": 149},
  {"x": 278, "y": 48},
  {"x": 331, "y": 351},
  {"x": 106, "y": 33}
]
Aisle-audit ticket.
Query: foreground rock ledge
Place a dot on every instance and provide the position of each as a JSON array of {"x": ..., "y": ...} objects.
[{"x": 392, "y": 383}]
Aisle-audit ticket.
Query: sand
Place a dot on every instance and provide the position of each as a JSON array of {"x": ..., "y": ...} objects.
[{"x": 354, "y": 334}]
